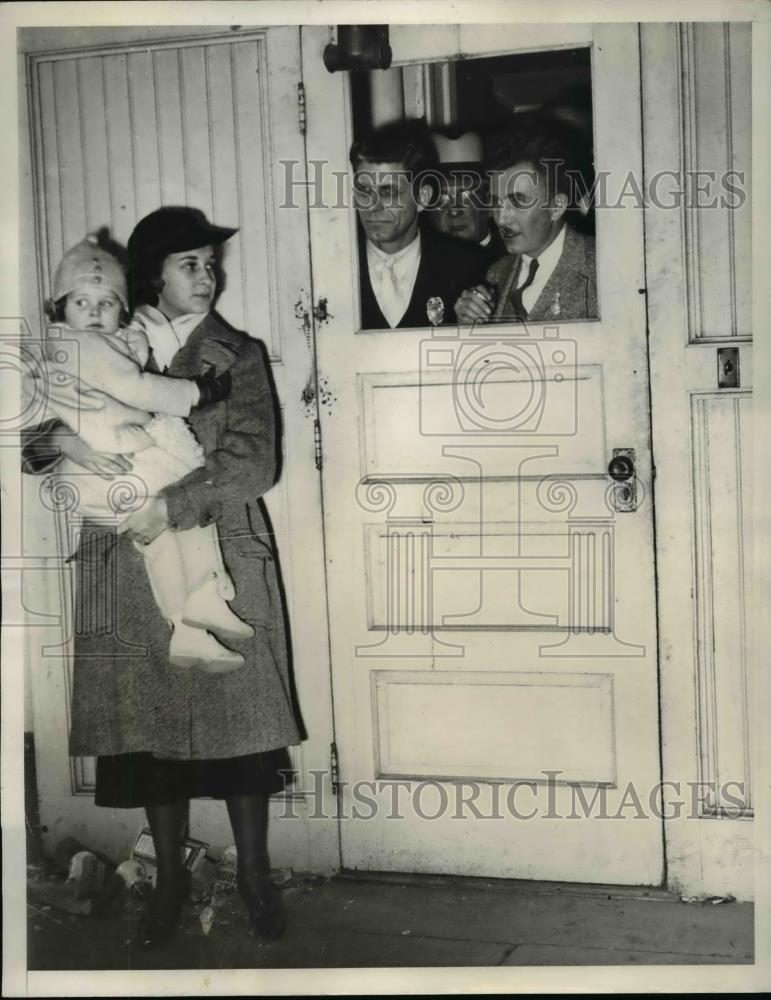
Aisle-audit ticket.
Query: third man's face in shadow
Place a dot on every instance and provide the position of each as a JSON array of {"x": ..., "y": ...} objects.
[{"x": 460, "y": 214}]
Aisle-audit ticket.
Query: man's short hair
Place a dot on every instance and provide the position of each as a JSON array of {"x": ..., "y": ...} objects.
[
  {"x": 556, "y": 149},
  {"x": 405, "y": 142}
]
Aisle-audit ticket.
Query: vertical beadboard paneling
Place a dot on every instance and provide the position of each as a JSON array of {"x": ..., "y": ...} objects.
[
  {"x": 118, "y": 113},
  {"x": 145, "y": 132},
  {"x": 252, "y": 151},
  {"x": 715, "y": 73},
  {"x": 225, "y": 193},
  {"x": 48, "y": 187},
  {"x": 124, "y": 132},
  {"x": 169, "y": 116},
  {"x": 195, "y": 128},
  {"x": 95, "y": 161},
  {"x": 71, "y": 168},
  {"x": 722, "y": 502}
]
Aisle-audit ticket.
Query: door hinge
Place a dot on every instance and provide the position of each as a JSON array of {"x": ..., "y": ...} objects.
[
  {"x": 317, "y": 447},
  {"x": 334, "y": 767},
  {"x": 302, "y": 120}
]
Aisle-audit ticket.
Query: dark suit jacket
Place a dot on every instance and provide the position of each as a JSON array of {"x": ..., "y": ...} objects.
[
  {"x": 447, "y": 266},
  {"x": 570, "y": 292}
]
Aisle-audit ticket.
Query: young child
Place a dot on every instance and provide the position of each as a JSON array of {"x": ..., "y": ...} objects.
[{"x": 98, "y": 387}]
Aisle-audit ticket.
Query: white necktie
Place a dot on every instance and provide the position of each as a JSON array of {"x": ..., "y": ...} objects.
[{"x": 390, "y": 300}]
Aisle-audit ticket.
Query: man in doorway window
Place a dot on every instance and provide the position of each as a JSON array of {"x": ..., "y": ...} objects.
[
  {"x": 410, "y": 276},
  {"x": 463, "y": 211},
  {"x": 549, "y": 271}
]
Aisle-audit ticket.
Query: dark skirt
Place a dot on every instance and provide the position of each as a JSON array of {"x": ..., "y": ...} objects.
[{"x": 130, "y": 780}]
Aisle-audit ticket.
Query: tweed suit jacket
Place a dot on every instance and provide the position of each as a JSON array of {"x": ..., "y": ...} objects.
[
  {"x": 125, "y": 695},
  {"x": 570, "y": 292}
]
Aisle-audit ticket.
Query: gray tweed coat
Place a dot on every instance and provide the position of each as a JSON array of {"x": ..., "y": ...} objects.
[
  {"x": 125, "y": 695},
  {"x": 570, "y": 292}
]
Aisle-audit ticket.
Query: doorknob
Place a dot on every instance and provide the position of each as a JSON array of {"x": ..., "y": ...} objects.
[
  {"x": 621, "y": 470},
  {"x": 621, "y": 466}
]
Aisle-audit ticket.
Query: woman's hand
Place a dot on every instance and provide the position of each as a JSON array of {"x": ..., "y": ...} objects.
[
  {"x": 105, "y": 465},
  {"x": 145, "y": 524},
  {"x": 475, "y": 305}
]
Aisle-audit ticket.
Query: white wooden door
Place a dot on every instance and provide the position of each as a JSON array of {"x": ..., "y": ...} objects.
[
  {"x": 492, "y": 617},
  {"x": 118, "y": 130}
]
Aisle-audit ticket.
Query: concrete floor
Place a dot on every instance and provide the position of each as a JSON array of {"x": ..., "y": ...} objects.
[{"x": 411, "y": 921}]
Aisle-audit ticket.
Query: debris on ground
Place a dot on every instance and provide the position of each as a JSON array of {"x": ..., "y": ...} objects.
[
  {"x": 204, "y": 877},
  {"x": 60, "y": 896},
  {"x": 87, "y": 874},
  {"x": 77, "y": 881},
  {"x": 194, "y": 851},
  {"x": 226, "y": 869},
  {"x": 206, "y": 917},
  {"x": 72, "y": 881}
]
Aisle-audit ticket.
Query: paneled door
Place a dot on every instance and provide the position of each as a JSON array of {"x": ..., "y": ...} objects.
[
  {"x": 491, "y": 587},
  {"x": 117, "y": 130}
]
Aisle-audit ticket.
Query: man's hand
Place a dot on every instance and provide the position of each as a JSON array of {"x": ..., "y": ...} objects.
[
  {"x": 147, "y": 523},
  {"x": 104, "y": 465},
  {"x": 475, "y": 305}
]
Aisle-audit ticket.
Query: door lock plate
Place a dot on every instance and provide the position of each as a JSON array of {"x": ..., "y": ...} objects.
[
  {"x": 624, "y": 493},
  {"x": 728, "y": 367}
]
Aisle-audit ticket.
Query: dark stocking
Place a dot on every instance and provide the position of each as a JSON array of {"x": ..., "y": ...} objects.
[
  {"x": 167, "y": 824},
  {"x": 160, "y": 920},
  {"x": 249, "y": 819}
]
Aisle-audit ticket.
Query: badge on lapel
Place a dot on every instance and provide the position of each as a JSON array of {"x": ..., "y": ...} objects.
[
  {"x": 435, "y": 310},
  {"x": 555, "y": 309}
]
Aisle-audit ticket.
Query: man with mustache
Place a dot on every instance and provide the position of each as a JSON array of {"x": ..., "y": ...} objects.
[{"x": 549, "y": 271}]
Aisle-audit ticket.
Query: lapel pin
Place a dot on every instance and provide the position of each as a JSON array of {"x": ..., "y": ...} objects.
[
  {"x": 556, "y": 308},
  {"x": 435, "y": 310}
]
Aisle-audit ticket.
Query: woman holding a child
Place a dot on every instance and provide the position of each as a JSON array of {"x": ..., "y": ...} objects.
[{"x": 162, "y": 731}]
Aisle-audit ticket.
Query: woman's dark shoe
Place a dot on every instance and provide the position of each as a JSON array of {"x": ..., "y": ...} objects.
[
  {"x": 160, "y": 920},
  {"x": 263, "y": 901}
]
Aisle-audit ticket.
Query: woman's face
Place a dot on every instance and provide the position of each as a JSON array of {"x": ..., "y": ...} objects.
[{"x": 189, "y": 282}]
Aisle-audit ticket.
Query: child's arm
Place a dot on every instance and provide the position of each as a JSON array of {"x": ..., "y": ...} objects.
[
  {"x": 136, "y": 340},
  {"x": 105, "y": 367}
]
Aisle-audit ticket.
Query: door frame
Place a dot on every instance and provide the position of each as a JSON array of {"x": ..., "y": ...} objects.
[{"x": 694, "y": 686}]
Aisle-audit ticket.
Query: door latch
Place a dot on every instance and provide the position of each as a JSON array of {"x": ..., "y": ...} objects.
[
  {"x": 728, "y": 367},
  {"x": 621, "y": 470}
]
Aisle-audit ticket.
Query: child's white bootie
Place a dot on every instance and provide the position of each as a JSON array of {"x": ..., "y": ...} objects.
[
  {"x": 192, "y": 647},
  {"x": 205, "y": 608}
]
